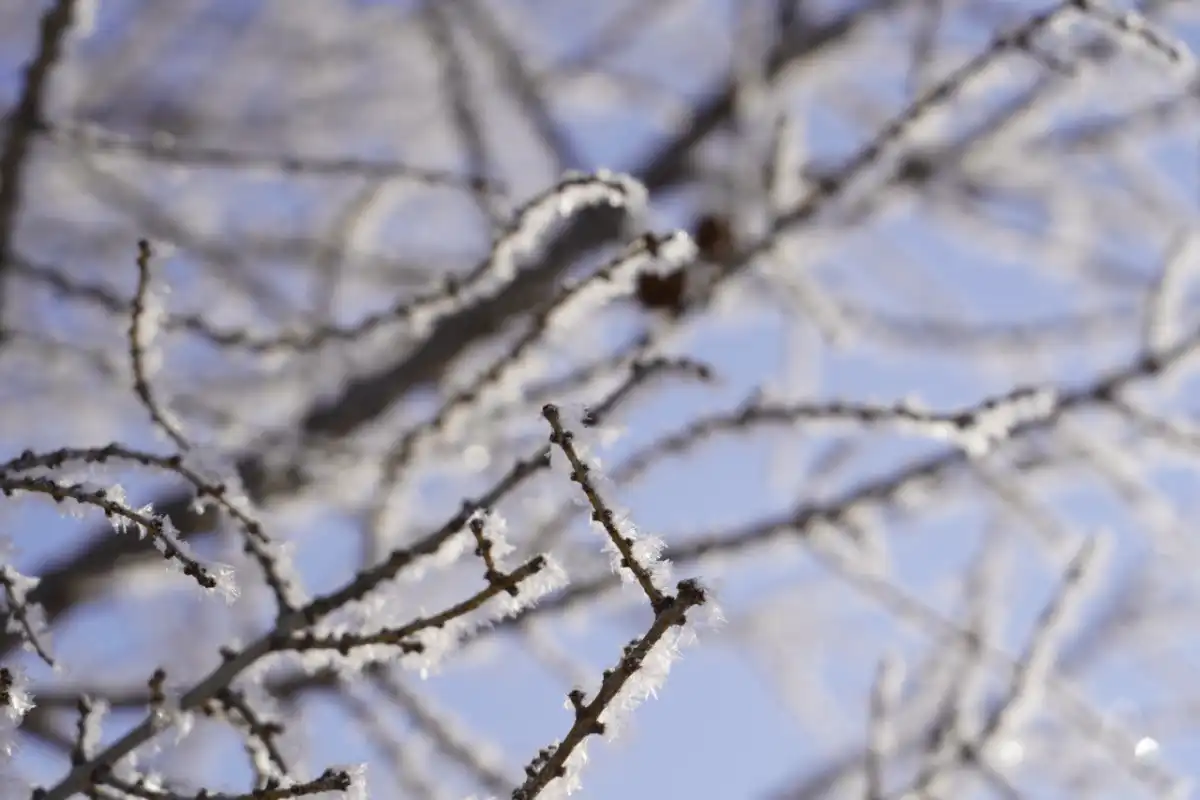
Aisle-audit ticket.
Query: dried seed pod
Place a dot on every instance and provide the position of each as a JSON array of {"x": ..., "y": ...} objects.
[
  {"x": 714, "y": 238},
  {"x": 663, "y": 292},
  {"x": 669, "y": 291}
]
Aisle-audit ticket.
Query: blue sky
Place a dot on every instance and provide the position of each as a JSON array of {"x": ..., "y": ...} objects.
[{"x": 722, "y": 728}]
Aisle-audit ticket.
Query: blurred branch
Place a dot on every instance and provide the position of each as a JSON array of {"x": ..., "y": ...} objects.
[
  {"x": 85, "y": 574},
  {"x": 22, "y": 125},
  {"x": 166, "y": 150}
]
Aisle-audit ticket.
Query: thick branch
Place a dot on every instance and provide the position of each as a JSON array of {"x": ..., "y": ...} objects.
[{"x": 23, "y": 124}]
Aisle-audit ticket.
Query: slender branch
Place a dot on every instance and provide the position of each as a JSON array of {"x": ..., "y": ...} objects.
[{"x": 551, "y": 762}]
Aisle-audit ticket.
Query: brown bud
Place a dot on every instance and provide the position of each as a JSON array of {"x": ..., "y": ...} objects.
[
  {"x": 714, "y": 238},
  {"x": 662, "y": 292}
]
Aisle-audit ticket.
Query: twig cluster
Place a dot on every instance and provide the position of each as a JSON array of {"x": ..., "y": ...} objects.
[{"x": 925, "y": 736}]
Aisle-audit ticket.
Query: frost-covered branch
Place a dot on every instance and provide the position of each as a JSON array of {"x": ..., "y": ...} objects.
[
  {"x": 165, "y": 150},
  {"x": 261, "y": 734},
  {"x": 563, "y": 759},
  {"x": 27, "y": 617},
  {"x": 643, "y": 565},
  {"x": 141, "y": 521},
  {"x": 935, "y": 295},
  {"x": 284, "y": 636},
  {"x": 143, "y": 325},
  {"x": 332, "y": 780}
]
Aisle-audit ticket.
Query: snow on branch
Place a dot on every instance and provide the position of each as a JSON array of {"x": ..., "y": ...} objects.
[
  {"x": 349, "y": 782},
  {"x": 645, "y": 661},
  {"x": 431, "y": 637},
  {"x": 926, "y": 103},
  {"x": 88, "y": 729},
  {"x": 24, "y": 617},
  {"x": 217, "y": 491},
  {"x": 15, "y": 703},
  {"x": 563, "y": 760},
  {"x": 1135, "y": 28},
  {"x": 426, "y": 638},
  {"x": 163, "y": 148},
  {"x": 142, "y": 521},
  {"x": 439, "y": 376},
  {"x": 143, "y": 326},
  {"x": 502, "y": 378},
  {"x": 631, "y": 555},
  {"x": 531, "y": 226}
]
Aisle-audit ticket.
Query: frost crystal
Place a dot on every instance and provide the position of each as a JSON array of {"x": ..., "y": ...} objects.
[
  {"x": 226, "y": 586},
  {"x": 572, "y": 779}
]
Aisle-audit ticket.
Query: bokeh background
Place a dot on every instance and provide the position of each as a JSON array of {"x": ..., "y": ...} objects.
[{"x": 300, "y": 165}]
